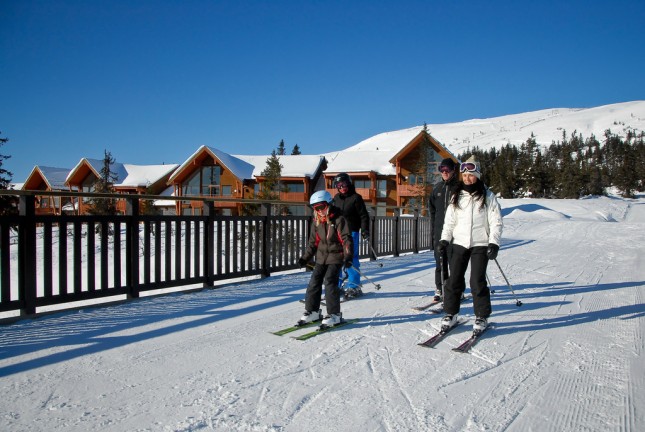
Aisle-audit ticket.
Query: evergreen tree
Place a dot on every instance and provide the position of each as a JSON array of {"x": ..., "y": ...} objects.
[
  {"x": 422, "y": 171},
  {"x": 272, "y": 184},
  {"x": 281, "y": 148},
  {"x": 8, "y": 204},
  {"x": 107, "y": 177},
  {"x": 296, "y": 150}
]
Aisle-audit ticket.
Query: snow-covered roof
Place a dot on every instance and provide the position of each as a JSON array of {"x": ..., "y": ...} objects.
[
  {"x": 145, "y": 175},
  {"x": 372, "y": 154},
  {"x": 97, "y": 165},
  {"x": 240, "y": 168},
  {"x": 292, "y": 165},
  {"x": 54, "y": 177}
]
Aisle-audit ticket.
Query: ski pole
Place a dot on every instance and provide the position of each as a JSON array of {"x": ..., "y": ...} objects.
[
  {"x": 517, "y": 302},
  {"x": 380, "y": 264},
  {"x": 378, "y": 286},
  {"x": 489, "y": 284}
]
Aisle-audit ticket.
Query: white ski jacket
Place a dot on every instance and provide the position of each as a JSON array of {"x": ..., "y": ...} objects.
[{"x": 471, "y": 225}]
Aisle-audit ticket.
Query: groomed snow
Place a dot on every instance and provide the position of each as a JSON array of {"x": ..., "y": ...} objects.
[{"x": 569, "y": 359}]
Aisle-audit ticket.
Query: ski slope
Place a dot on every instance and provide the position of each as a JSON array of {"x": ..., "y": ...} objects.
[{"x": 569, "y": 359}]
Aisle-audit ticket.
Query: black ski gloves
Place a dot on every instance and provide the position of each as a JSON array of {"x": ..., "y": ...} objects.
[
  {"x": 348, "y": 263},
  {"x": 441, "y": 247},
  {"x": 492, "y": 250},
  {"x": 302, "y": 262}
]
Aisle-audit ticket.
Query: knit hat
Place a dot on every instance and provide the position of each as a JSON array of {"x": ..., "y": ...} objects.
[
  {"x": 448, "y": 163},
  {"x": 471, "y": 166}
]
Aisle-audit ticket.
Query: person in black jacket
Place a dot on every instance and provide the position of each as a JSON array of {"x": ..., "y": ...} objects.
[
  {"x": 353, "y": 208},
  {"x": 330, "y": 241},
  {"x": 439, "y": 201}
]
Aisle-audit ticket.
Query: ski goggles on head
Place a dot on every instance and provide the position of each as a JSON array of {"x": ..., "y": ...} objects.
[
  {"x": 468, "y": 166},
  {"x": 320, "y": 206},
  {"x": 444, "y": 169}
]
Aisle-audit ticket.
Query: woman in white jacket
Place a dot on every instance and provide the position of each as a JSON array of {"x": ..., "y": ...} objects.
[{"x": 473, "y": 223}]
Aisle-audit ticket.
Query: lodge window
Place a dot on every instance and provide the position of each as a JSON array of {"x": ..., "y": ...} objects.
[
  {"x": 205, "y": 181},
  {"x": 362, "y": 184},
  {"x": 381, "y": 188},
  {"x": 295, "y": 187}
]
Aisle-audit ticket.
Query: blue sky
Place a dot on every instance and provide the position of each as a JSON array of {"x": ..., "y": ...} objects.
[{"x": 151, "y": 81}]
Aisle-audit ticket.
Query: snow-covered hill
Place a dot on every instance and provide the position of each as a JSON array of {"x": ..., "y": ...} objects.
[{"x": 547, "y": 125}]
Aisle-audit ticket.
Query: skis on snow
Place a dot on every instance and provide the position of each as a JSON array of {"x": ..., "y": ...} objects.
[
  {"x": 464, "y": 347},
  {"x": 472, "y": 340},
  {"x": 324, "y": 329},
  {"x": 426, "y": 306},
  {"x": 439, "y": 336},
  {"x": 295, "y": 327}
]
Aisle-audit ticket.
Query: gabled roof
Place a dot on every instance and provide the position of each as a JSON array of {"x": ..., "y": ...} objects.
[
  {"x": 95, "y": 166},
  {"x": 375, "y": 154},
  {"x": 53, "y": 177},
  {"x": 145, "y": 175},
  {"x": 240, "y": 168}
]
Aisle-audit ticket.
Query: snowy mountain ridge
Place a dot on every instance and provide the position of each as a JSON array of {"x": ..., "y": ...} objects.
[{"x": 547, "y": 125}]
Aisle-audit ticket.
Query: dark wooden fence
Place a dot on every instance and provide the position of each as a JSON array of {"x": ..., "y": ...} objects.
[{"x": 50, "y": 260}]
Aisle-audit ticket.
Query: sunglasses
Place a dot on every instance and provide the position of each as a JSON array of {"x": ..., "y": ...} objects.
[
  {"x": 444, "y": 169},
  {"x": 468, "y": 166},
  {"x": 342, "y": 185},
  {"x": 320, "y": 206}
]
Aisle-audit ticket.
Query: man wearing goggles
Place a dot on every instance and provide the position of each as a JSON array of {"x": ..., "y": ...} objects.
[
  {"x": 473, "y": 224},
  {"x": 439, "y": 201},
  {"x": 353, "y": 208}
]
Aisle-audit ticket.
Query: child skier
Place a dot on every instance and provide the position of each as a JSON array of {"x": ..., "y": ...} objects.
[{"x": 330, "y": 242}]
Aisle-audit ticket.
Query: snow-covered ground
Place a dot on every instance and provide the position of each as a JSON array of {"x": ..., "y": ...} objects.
[{"x": 569, "y": 359}]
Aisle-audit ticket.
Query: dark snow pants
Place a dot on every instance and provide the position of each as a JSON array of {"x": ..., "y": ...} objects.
[
  {"x": 324, "y": 274},
  {"x": 457, "y": 283}
]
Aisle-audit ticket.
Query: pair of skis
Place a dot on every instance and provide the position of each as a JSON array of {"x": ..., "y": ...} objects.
[
  {"x": 320, "y": 330},
  {"x": 464, "y": 347}
]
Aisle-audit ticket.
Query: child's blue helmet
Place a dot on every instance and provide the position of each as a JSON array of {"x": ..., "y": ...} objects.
[{"x": 320, "y": 197}]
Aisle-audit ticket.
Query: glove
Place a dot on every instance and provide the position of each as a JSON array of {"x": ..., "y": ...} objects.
[
  {"x": 492, "y": 250},
  {"x": 441, "y": 247},
  {"x": 365, "y": 234},
  {"x": 347, "y": 264},
  {"x": 302, "y": 262}
]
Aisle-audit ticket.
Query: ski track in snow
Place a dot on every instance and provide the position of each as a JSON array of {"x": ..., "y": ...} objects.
[{"x": 569, "y": 359}]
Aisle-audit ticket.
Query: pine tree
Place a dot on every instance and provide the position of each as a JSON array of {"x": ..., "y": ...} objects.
[
  {"x": 421, "y": 170},
  {"x": 8, "y": 204},
  {"x": 296, "y": 150},
  {"x": 272, "y": 185},
  {"x": 107, "y": 177},
  {"x": 281, "y": 148}
]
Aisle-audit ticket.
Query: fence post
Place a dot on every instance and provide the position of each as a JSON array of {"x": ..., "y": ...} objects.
[
  {"x": 397, "y": 231},
  {"x": 266, "y": 238},
  {"x": 27, "y": 254},
  {"x": 132, "y": 245},
  {"x": 208, "y": 252},
  {"x": 415, "y": 232}
]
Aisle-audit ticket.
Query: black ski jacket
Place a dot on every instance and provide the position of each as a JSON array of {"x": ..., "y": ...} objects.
[
  {"x": 353, "y": 209},
  {"x": 439, "y": 202}
]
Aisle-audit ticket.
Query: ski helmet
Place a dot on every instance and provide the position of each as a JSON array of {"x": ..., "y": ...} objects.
[
  {"x": 319, "y": 197},
  {"x": 342, "y": 177}
]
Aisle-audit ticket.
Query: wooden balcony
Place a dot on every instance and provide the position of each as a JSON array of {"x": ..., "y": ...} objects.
[
  {"x": 406, "y": 190},
  {"x": 294, "y": 196}
]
